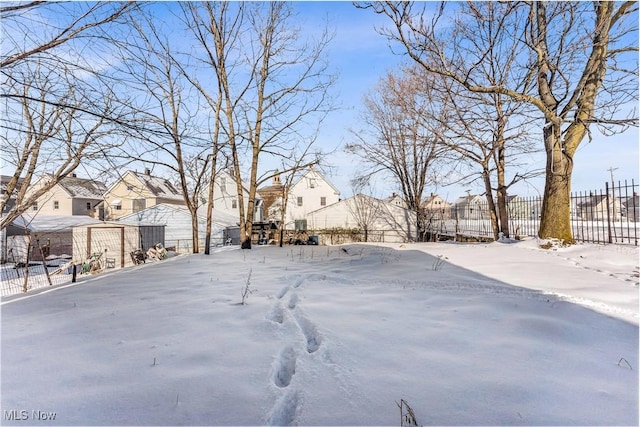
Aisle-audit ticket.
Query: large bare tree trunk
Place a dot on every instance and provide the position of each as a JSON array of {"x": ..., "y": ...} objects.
[
  {"x": 556, "y": 205},
  {"x": 491, "y": 204}
]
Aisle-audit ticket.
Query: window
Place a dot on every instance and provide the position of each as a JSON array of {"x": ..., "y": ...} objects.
[
  {"x": 300, "y": 201},
  {"x": 234, "y": 204},
  {"x": 312, "y": 183},
  {"x": 35, "y": 207},
  {"x": 88, "y": 206},
  {"x": 323, "y": 201},
  {"x": 129, "y": 187},
  {"x": 223, "y": 183},
  {"x": 118, "y": 207},
  {"x": 301, "y": 224},
  {"x": 56, "y": 204}
]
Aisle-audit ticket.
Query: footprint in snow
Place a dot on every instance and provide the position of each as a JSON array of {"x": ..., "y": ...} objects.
[
  {"x": 282, "y": 292},
  {"x": 276, "y": 313},
  {"x": 293, "y": 301},
  {"x": 310, "y": 332},
  {"x": 285, "y": 367}
]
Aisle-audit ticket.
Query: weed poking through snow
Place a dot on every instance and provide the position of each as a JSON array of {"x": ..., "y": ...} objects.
[
  {"x": 438, "y": 263},
  {"x": 246, "y": 291},
  {"x": 407, "y": 417}
]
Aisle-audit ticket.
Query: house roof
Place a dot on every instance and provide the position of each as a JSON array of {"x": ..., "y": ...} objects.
[
  {"x": 82, "y": 187},
  {"x": 632, "y": 202},
  {"x": 159, "y": 187},
  {"x": 53, "y": 223},
  {"x": 4, "y": 181},
  {"x": 592, "y": 200},
  {"x": 314, "y": 170},
  {"x": 465, "y": 199}
]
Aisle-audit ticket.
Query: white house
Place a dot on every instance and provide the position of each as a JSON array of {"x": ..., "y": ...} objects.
[
  {"x": 365, "y": 212},
  {"x": 312, "y": 191},
  {"x": 470, "y": 207},
  {"x": 225, "y": 198},
  {"x": 397, "y": 200}
]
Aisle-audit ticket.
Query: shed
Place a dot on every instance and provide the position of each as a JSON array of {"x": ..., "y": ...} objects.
[
  {"x": 178, "y": 225},
  {"x": 51, "y": 233}
]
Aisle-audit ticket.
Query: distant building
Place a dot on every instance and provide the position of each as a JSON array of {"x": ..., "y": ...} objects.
[
  {"x": 226, "y": 201},
  {"x": 396, "y": 200},
  {"x": 631, "y": 208},
  {"x": 396, "y": 223},
  {"x": 435, "y": 206},
  {"x": 136, "y": 191},
  {"x": 596, "y": 208},
  {"x": 311, "y": 191},
  {"x": 11, "y": 202},
  {"x": 470, "y": 207},
  {"x": 70, "y": 196}
]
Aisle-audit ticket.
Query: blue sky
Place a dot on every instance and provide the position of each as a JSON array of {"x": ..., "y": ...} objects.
[{"x": 361, "y": 56}]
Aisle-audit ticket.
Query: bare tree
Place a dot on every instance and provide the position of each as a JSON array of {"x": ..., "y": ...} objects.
[
  {"x": 273, "y": 86},
  {"x": 398, "y": 140},
  {"x": 46, "y": 128},
  {"x": 579, "y": 68},
  {"x": 290, "y": 87},
  {"x": 166, "y": 129},
  {"x": 58, "y": 110},
  {"x": 73, "y": 21},
  {"x": 364, "y": 208}
]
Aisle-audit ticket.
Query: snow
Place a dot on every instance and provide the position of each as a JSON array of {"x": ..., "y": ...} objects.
[{"x": 467, "y": 334}]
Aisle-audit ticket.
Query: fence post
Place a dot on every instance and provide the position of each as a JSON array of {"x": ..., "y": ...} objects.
[{"x": 606, "y": 189}]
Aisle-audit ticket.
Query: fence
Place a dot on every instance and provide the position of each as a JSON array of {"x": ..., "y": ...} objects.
[
  {"x": 43, "y": 256},
  {"x": 609, "y": 215}
]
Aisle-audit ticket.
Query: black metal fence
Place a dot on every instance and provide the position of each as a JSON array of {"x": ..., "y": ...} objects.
[{"x": 609, "y": 215}]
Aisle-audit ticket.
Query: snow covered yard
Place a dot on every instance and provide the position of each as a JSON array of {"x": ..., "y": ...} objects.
[{"x": 484, "y": 334}]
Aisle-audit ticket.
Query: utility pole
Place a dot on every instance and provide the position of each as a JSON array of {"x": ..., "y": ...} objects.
[{"x": 613, "y": 192}]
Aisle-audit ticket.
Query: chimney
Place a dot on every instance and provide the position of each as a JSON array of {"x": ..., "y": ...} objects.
[
  {"x": 147, "y": 171},
  {"x": 276, "y": 180}
]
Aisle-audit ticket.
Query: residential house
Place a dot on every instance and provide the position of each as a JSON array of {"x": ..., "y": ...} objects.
[
  {"x": 519, "y": 208},
  {"x": 631, "y": 208},
  {"x": 470, "y": 207},
  {"x": 70, "y": 196},
  {"x": 595, "y": 208},
  {"x": 312, "y": 191},
  {"x": 435, "y": 206},
  {"x": 11, "y": 201},
  {"x": 388, "y": 222},
  {"x": 136, "y": 191},
  {"x": 272, "y": 199},
  {"x": 396, "y": 200},
  {"x": 225, "y": 198}
]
